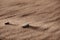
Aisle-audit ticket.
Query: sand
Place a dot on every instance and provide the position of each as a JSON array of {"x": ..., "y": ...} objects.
[{"x": 42, "y": 15}]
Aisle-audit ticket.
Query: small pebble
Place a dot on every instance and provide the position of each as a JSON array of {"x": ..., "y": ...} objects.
[
  {"x": 7, "y": 23},
  {"x": 26, "y": 26}
]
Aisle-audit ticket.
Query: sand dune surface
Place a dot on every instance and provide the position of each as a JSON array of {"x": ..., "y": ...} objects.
[{"x": 43, "y": 16}]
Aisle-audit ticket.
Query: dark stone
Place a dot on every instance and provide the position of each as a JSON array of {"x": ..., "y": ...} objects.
[
  {"x": 7, "y": 23},
  {"x": 26, "y": 26}
]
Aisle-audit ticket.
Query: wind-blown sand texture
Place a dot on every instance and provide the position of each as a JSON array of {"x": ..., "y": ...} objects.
[{"x": 42, "y": 15}]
